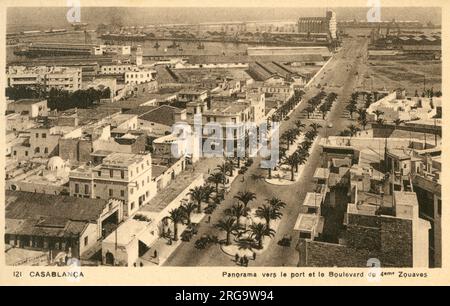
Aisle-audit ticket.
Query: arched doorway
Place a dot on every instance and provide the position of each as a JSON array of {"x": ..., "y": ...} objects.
[{"x": 109, "y": 259}]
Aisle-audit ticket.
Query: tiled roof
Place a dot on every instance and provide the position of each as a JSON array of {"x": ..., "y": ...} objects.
[
  {"x": 28, "y": 205},
  {"x": 164, "y": 114}
]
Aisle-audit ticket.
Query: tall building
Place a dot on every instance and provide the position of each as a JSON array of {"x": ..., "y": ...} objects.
[
  {"x": 45, "y": 77},
  {"x": 319, "y": 25}
]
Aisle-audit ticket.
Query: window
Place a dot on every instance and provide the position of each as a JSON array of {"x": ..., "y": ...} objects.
[
  {"x": 111, "y": 173},
  {"x": 131, "y": 190},
  {"x": 111, "y": 192},
  {"x": 122, "y": 174},
  {"x": 86, "y": 189},
  {"x": 142, "y": 166},
  {"x": 37, "y": 135},
  {"x": 132, "y": 205},
  {"x": 137, "y": 170},
  {"x": 142, "y": 183},
  {"x": 122, "y": 193},
  {"x": 37, "y": 150},
  {"x": 15, "y": 153},
  {"x": 45, "y": 150},
  {"x": 77, "y": 188},
  {"x": 26, "y": 153},
  {"x": 44, "y": 135},
  {"x": 86, "y": 240}
]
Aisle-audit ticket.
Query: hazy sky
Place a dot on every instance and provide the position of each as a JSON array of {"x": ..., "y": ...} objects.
[{"x": 43, "y": 18}]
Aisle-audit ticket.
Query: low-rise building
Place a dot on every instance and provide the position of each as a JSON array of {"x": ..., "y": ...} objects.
[
  {"x": 139, "y": 76},
  {"x": 42, "y": 141},
  {"x": 56, "y": 225},
  {"x": 30, "y": 107}
]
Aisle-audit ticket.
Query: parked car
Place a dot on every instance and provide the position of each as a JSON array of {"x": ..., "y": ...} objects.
[
  {"x": 186, "y": 235},
  {"x": 285, "y": 241}
]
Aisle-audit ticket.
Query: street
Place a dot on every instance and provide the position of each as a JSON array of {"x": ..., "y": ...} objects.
[{"x": 340, "y": 76}]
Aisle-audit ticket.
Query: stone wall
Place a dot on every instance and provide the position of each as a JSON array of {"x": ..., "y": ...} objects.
[{"x": 386, "y": 238}]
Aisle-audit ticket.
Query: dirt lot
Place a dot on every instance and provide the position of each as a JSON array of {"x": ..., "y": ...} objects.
[{"x": 405, "y": 74}]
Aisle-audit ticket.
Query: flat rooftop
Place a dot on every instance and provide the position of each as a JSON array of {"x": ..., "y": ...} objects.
[
  {"x": 127, "y": 232},
  {"x": 28, "y": 101},
  {"x": 322, "y": 173},
  {"x": 306, "y": 222},
  {"x": 313, "y": 199},
  {"x": 122, "y": 159},
  {"x": 171, "y": 192}
]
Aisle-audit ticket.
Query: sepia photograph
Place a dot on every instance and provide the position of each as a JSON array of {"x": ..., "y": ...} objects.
[{"x": 295, "y": 135}]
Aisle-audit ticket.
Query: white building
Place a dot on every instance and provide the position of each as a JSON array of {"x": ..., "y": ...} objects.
[
  {"x": 118, "y": 69},
  {"x": 123, "y": 176},
  {"x": 47, "y": 77},
  {"x": 139, "y": 76},
  {"x": 397, "y": 105},
  {"x": 112, "y": 49}
]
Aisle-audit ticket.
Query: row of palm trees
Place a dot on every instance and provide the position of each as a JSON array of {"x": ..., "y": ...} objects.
[
  {"x": 301, "y": 154},
  {"x": 201, "y": 194},
  {"x": 325, "y": 107},
  {"x": 268, "y": 212},
  {"x": 314, "y": 102},
  {"x": 287, "y": 106}
]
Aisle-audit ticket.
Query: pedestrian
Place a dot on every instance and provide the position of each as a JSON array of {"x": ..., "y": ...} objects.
[
  {"x": 236, "y": 258},
  {"x": 209, "y": 219},
  {"x": 241, "y": 261},
  {"x": 254, "y": 255},
  {"x": 155, "y": 254},
  {"x": 245, "y": 261}
]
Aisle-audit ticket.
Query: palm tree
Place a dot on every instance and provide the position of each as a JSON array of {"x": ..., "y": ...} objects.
[
  {"x": 368, "y": 100},
  {"x": 351, "y": 108},
  {"x": 291, "y": 161},
  {"x": 315, "y": 126},
  {"x": 176, "y": 215},
  {"x": 310, "y": 135},
  {"x": 309, "y": 110},
  {"x": 380, "y": 121},
  {"x": 188, "y": 209},
  {"x": 362, "y": 113},
  {"x": 363, "y": 121},
  {"x": 268, "y": 213},
  {"x": 223, "y": 168},
  {"x": 197, "y": 194},
  {"x": 289, "y": 136},
  {"x": 397, "y": 122},
  {"x": 245, "y": 197},
  {"x": 276, "y": 202},
  {"x": 324, "y": 108},
  {"x": 230, "y": 165},
  {"x": 378, "y": 113},
  {"x": 216, "y": 178},
  {"x": 299, "y": 124},
  {"x": 259, "y": 231},
  {"x": 362, "y": 117},
  {"x": 228, "y": 226},
  {"x": 238, "y": 210},
  {"x": 353, "y": 130},
  {"x": 302, "y": 158},
  {"x": 207, "y": 190}
]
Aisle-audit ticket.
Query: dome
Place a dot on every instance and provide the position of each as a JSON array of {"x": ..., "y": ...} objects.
[{"x": 55, "y": 163}]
